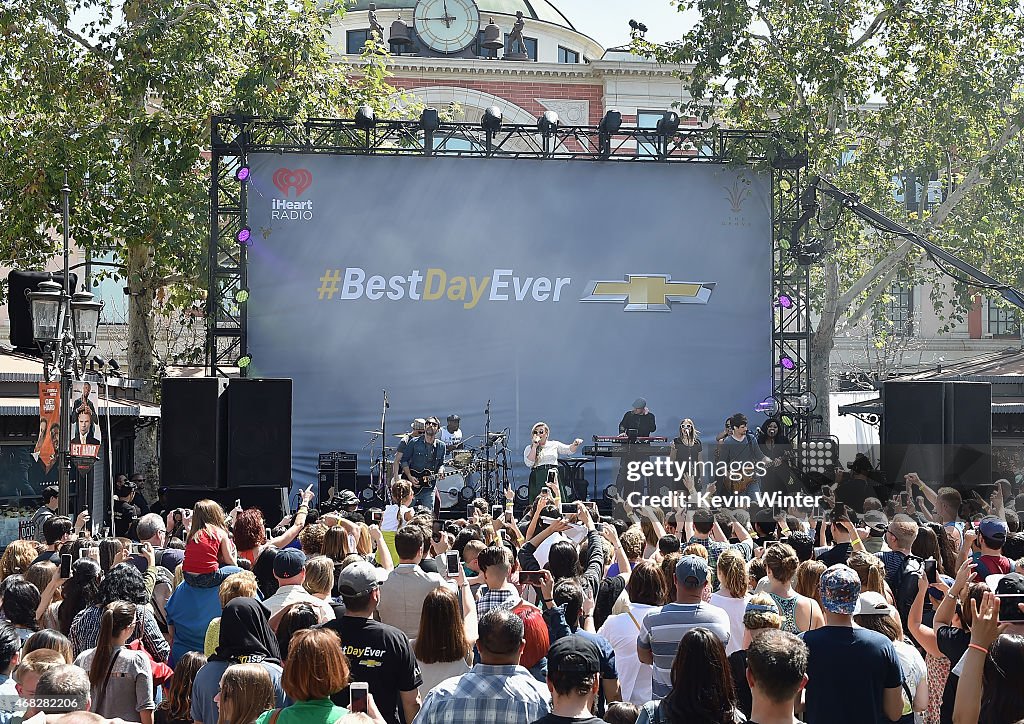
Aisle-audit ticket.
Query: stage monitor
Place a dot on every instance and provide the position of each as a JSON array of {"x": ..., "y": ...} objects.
[{"x": 555, "y": 290}]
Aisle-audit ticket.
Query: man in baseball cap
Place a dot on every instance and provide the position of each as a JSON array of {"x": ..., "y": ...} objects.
[
  {"x": 851, "y": 666},
  {"x": 988, "y": 554},
  {"x": 574, "y": 666},
  {"x": 290, "y": 572},
  {"x": 661, "y": 632}
]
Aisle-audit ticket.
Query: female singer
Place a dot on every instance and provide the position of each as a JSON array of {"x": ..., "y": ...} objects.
[
  {"x": 776, "y": 445},
  {"x": 542, "y": 455},
  {"x": 686, "y": 450}
]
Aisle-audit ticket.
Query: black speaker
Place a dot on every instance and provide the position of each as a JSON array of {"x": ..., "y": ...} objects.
[
  {"x": 19, "y": 309},
  {"x": 968, "y": 449},
  {"x": 940, "y": 430},
  {"x": 267, "y": 499},
  {"x": 191, "y": 432},
  {"x": 259, "y": 432}
]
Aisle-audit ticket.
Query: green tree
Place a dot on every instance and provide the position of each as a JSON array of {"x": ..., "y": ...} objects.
[
  {"x": 931, "y": 87},
  {"x": 125, "y": 102}
]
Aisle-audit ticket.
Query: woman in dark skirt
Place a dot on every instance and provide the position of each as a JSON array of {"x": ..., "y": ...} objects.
[{"x": 541, "y": 456}]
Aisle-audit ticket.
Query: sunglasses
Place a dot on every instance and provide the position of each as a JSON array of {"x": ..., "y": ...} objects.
[{"x": 433, "y": 424}]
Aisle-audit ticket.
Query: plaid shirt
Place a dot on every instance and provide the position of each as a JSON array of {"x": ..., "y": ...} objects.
[
  {"x": 494, "y": 599},
  {"x": 85, "y": 632},
  {"x": 486, "y": 695},
  {"x": 716, "y": 548}
]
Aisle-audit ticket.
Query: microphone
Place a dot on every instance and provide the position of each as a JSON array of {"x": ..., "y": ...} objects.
[
  {"x": 487, "y": 411},
  {"x": 386, "y": 403}
]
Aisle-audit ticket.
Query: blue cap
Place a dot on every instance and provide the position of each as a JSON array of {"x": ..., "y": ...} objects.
[{"x": 692, "y": 567}]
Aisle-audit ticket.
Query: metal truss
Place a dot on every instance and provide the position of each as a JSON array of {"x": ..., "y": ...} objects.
[{"x": 234, "y": 137}]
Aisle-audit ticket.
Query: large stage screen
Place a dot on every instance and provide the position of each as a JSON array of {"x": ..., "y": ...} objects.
[{"x": 557, "y": 290}]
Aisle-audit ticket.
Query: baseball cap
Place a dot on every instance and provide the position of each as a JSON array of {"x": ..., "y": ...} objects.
[
  {"x": 347, "y": 497},
  {"x": 639, "y": 402},
  {"x": 358, "y": 578},
  {"x": 873, "y": 603},
  {"x": 419, "y": 423},
  {"x": 574, "y": 654},
  {"x": 993, "y": 528},
  {"x": 693, "y": 567},
  {"x": 454, "y": 418},
  {"x": 840, "y": 589},
  {"x": 1006, "y": 583},
  {"x": 289, "y": 563}
]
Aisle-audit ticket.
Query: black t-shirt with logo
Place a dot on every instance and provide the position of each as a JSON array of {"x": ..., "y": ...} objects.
[{"x": 380, "y": 655}]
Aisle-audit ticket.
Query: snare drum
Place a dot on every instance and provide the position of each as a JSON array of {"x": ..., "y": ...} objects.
[{"x": 462, "y": 458}]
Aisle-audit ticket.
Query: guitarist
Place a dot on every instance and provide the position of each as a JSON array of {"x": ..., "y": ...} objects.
[
  {"x": 740, "y": 448},
  {"x": 421, "y": 462}
]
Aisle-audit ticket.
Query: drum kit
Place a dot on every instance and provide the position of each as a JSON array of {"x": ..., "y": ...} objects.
[{"x": 470, "y": 472}]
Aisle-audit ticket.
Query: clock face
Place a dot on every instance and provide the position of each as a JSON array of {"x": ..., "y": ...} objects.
[{"x": 447, "y": 26}]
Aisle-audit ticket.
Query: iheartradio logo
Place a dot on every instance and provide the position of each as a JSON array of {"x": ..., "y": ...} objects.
[{"x": 299, "y": 179}]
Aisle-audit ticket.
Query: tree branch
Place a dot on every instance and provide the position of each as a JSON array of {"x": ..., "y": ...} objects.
[
  {"x": 880, "y": 288},
  {"x": 75, "y": 37},
  {"x": 192, "y": 8},
  {"x": 772, "y": 43},
  {"x": 872, "y": 29}
]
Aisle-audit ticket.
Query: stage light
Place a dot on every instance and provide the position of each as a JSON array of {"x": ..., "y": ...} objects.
[
  {"x": 241, "y": 296},
  {"x": 491, "y": 119},
  {"x": 114, "y": 365},
  {"x": 787, "y": 363},
  {"x": 466, "y": 494},
  {"x": 243, "y": 236},
  {"x": 244, "y": 361},
  {"x": 242, "y": 174},
  {"x": 430, "y": 121},
  {"x": 807, "y": 401},
  {"x": 668, "y": 124},
  {"x": 523, "y": 492},
  {"x": 365, "y": 118},
  {"x": 768, "y": 406},
  {"x": 611, "y": 492},
  {"x": 548, "y": 123},
  {"x": 785, "y": 301},
  {"x": 367, "y": 494}
]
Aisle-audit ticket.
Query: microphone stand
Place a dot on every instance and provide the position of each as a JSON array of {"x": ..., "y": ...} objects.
[
  {"x": 487, "y": 447},
  {"x": 384, "y": 472}
]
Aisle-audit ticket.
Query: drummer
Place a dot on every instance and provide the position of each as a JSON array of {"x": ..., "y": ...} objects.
[{"x": 451, "y": 435}]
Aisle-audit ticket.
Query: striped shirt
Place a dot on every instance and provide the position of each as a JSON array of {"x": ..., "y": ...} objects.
[{"x": 661, "y": 632}]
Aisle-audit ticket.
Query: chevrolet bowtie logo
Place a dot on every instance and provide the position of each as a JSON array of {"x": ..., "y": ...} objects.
[{"x": 649, "y": 292}]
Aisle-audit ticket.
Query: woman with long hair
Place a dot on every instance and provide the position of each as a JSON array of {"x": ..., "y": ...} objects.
[
  {"x": 646, "y": 594},
  {"x": 946, "y": 553},
  {"x": 176, "y": 708},
  {"x": 687, "y": 450},
  {"x": 871, "y": 572},
  {"x": 111, "y": 553},
  {"x": 43, "y": 576},
  {"x": 208, "y": 546},
  {"x": 246, "y": 691},
  {"x": 702, "y": 689},
  {"x": 21, "y": 599},
  {"x": 294, "y": 618},
  {"x": 121, "y": 678},
  {"x": 732, "y": 594},
  {"x": 250, "y": 533},
  {"x": 315, "y": 669},
  {"x": 49, "y": 639},
  {"x": 772, "y": 439},
  {"x": 79, "y": 592},
  {"x": 124, "y": 583},
  {"x": 17, "y": 557},
  {"x": 799, "y": 613},
  {"x": 808, "y": 576},
  {"x": 541, "y": 456},
  {"x": 446, "y": 635}
]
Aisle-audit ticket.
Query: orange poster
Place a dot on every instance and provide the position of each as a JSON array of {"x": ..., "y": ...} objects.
[{"x": 49, "y": 424}]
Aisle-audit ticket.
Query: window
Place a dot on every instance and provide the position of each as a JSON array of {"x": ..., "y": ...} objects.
[
  {"x": 1003, "y": 322},
  {"x": 531, "y": 46},
  {"x": 895, "y": 312},
  {"x": 567, "y": 56},
  {"x": 355, "y": 40},
  {"x": 648, "y": 145}
]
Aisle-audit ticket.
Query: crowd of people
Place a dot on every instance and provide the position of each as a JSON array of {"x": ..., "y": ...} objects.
[{"x": 904, "y": 611}]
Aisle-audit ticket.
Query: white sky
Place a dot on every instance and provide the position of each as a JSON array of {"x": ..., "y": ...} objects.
[{"x": 607, "y": 21}]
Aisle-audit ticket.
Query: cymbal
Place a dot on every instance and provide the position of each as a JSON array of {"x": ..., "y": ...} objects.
[
  {"x": 399, "y": 434},
  {"x": 373, "y": 432}
]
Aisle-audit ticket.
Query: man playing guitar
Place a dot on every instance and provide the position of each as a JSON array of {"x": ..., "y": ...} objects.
[{"x": 421, "y": 462}]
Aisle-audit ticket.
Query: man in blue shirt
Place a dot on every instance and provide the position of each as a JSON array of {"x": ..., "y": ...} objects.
[{"x": 424, "y": 456}]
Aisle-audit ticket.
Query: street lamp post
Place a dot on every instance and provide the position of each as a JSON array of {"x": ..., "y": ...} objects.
[{"x": 65, "y": 328}]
